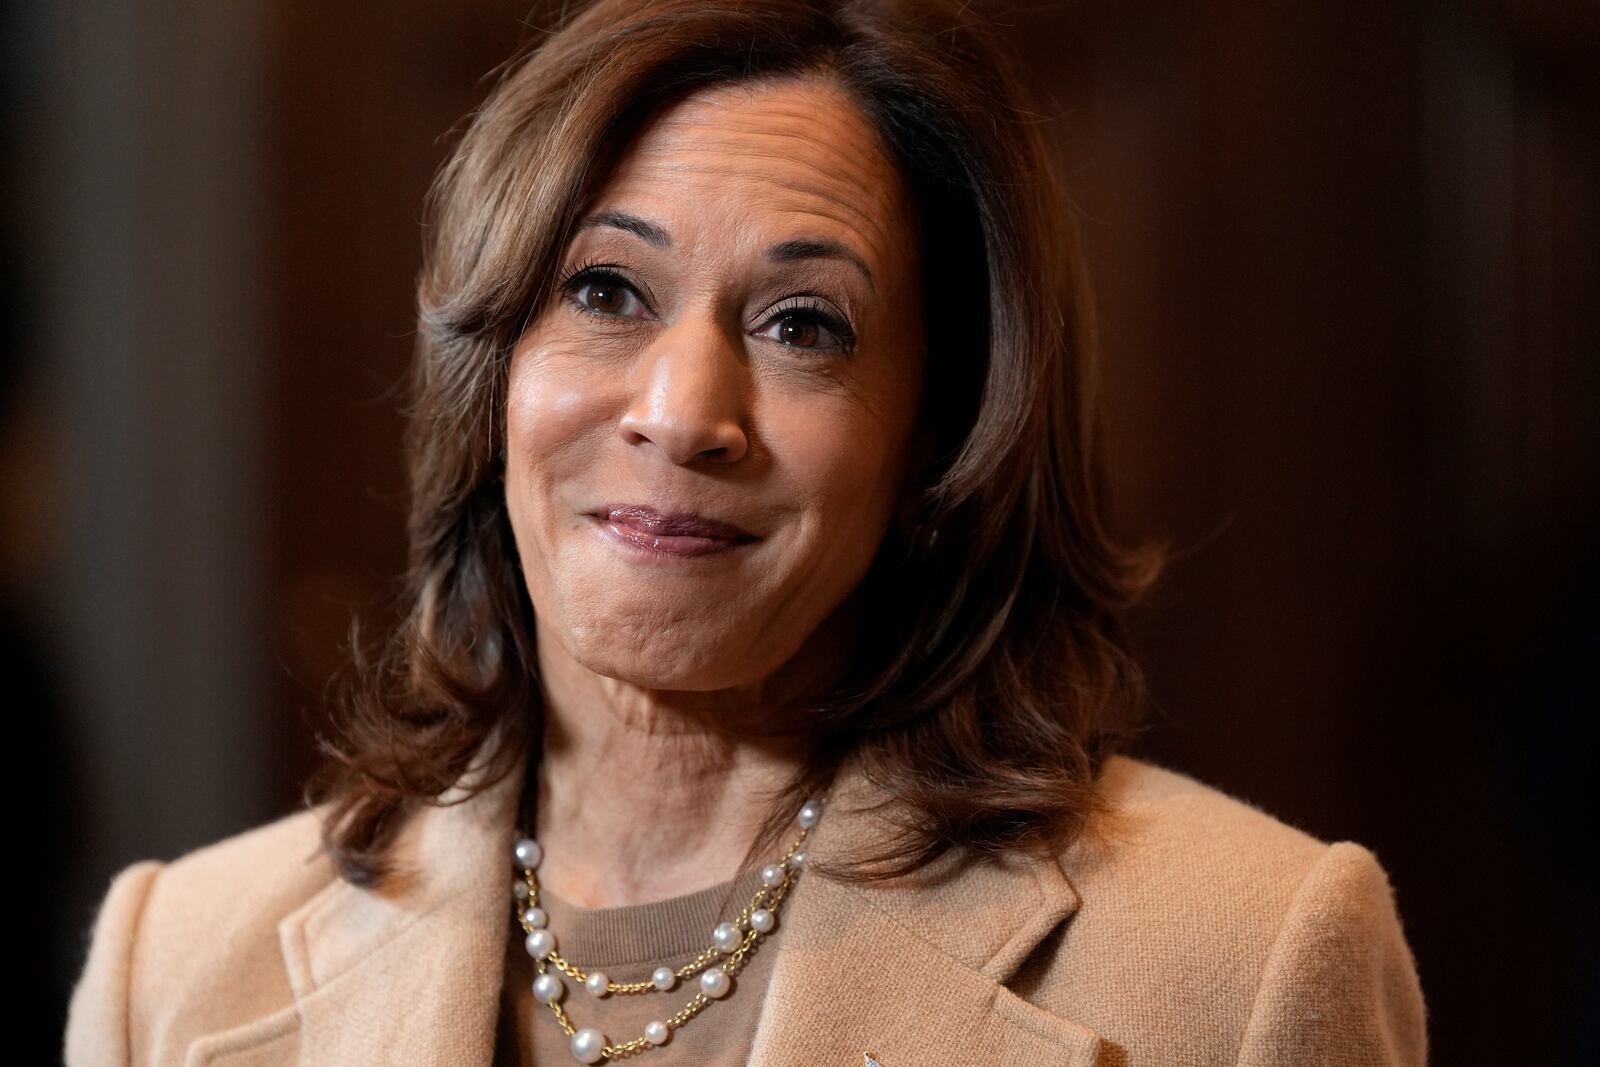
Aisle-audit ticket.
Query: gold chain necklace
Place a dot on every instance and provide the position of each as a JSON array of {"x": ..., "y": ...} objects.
[{"x": 731, "y": 944}]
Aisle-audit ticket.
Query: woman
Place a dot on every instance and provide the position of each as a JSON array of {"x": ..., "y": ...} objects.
[{"x": 765, "y": 668}]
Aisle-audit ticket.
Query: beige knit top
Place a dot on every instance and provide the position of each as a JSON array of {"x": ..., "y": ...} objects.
[{"x": 628, "y": 943}]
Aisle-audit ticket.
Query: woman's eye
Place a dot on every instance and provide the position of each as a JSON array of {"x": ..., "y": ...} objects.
[
  {"x": 595, "y": 291},
  {"x": 604, "y": 293},
  {"x": 809, "y": 328}
]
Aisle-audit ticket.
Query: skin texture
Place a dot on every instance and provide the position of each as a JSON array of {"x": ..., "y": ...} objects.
[{"x": 693, "y": 387}]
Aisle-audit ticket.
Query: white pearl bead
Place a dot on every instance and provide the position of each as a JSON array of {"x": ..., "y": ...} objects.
[
  {"x": 597, "y": 983},
  {"x": 715, "y": 983},
  {"x": 810, "y": 813},
  {"x": 772, "y": 875},
  {"x": 588, "y": 1045},
  {"x": 519, "y": 889},
  {"x": 798, "y": 860},
  {"x": 726, "y": 937},
  {"x": 536, "y": 918},
  {"x": 540, "y": 944},
  {"x": 664, "y": 978},
  {"x": 548, "y": 987},
  {"x": 528, "y": 852},
  {"x": 762, "y": 921},
  {"x": 657, "y": 1033}
]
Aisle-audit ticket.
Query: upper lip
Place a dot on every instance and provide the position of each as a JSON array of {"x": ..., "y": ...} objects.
[{"x": 671, "y": 523}]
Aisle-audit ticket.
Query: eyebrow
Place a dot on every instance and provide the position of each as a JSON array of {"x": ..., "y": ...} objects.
[{"x": 791, "y": 251}]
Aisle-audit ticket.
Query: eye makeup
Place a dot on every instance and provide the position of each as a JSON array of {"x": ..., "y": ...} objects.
[{"x": 806, "y": 309}]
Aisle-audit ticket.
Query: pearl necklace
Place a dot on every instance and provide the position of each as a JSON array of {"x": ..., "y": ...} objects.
[{"x": 731, "y": 944}]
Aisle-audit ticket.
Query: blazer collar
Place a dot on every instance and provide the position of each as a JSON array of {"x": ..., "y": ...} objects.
[
  {"x": 911, "y": 970},
  {"x": 411, "y": 973}
]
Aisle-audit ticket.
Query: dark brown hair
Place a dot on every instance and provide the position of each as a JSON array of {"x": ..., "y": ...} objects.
[{"x": 994, "y": 677}]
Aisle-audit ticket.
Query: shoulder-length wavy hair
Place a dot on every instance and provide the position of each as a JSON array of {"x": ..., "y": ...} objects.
[{"x": 995, "y": 676}]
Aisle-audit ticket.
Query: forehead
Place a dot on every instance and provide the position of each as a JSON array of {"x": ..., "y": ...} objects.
[{"x": 799, "y": 150}]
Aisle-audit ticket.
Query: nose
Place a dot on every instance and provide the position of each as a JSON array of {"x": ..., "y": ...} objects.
[{"x": 689, "y": 400}]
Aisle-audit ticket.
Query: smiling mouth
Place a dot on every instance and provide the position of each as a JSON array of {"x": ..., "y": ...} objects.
[
  {"x": 650, "y": 533},
  {"x": 674, "y": 524}
]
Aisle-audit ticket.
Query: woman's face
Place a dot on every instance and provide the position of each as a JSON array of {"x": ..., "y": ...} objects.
[{"x": 739, "y": 337}]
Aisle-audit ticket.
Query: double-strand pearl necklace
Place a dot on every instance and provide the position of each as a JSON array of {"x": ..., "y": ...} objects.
[{"x": 731, "y": 944}]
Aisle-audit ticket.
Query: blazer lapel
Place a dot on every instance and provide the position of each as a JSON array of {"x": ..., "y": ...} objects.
[
  {"x": 409, "y": 974},
  {"x": 414, "y": 975},
  {"x": 912, "y": 971}
]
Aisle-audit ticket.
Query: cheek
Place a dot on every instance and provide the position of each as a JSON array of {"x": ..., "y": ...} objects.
[
  {"x": 853, "y": 449},
  {"x": 551, "y": 414},
  {"x": 842, "y": 465}
]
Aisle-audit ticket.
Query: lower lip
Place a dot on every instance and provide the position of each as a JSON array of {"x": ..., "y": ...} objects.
[{"x": 661, "y": 546}]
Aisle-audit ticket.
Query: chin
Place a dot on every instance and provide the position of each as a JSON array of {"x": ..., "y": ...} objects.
[
  {"x": 688, "y": 678},
  {"x": 659, "y": 657}
]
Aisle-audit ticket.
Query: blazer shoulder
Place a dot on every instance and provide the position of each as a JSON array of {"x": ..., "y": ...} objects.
[
  {"x": 1181, "y": 803},
  {"x": 232, "y": 886},
  {"x": 235, "y": 888},
  {"x": 257, "y": 860},
  {"x": 1340, "y": 976},
  {"x": 1167, "y": 843},
  {"x": 1191, "y": 822},
  {"x": 1203, "y": 923},
  {"x": 168, "y": 934}
]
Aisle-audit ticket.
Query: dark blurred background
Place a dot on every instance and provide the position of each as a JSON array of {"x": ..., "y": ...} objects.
[{"x": 1348, "y": 261}]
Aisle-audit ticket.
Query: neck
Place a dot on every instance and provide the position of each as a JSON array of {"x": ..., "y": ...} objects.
[{"x": 645, "y": 794}]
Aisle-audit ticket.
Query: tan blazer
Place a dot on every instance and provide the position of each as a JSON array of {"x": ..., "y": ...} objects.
[{"x": 1190, "y": 929}]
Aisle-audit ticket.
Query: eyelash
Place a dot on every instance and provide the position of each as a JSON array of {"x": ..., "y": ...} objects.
[{"x": 813, "y": 313}]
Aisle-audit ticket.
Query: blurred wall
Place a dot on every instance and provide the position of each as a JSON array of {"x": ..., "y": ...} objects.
[
  {"x": 135, "y": 576},
  {"x": 1349, "y": 269},
  {"x": 1348, "y": 262}
]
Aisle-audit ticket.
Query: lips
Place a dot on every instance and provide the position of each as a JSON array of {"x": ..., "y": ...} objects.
[{"x": 674, "y": 524}]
